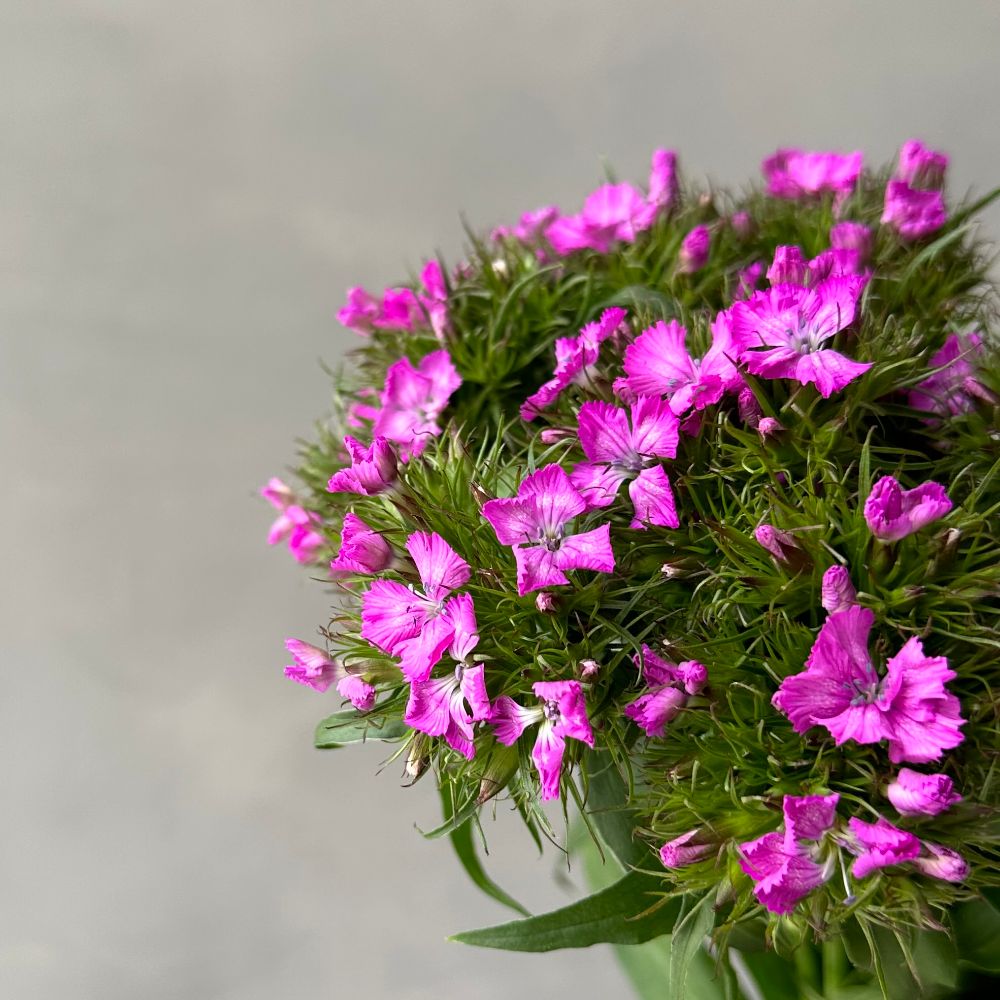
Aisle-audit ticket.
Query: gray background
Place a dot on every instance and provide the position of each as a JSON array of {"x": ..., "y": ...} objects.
[{"x": 187, "y": 190}]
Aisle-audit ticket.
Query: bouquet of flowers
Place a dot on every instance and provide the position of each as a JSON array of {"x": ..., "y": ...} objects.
[{"x": 681, "y": 510}]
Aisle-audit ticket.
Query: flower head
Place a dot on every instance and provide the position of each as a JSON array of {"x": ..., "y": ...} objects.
[
  {"x": 693, "y": 255},
  {"x": 841, "y": 690},
  {"x": 575, "y": 361},
  {"x": 953, "y": 388},
  {"x": 417, "y": 625},
  {"x": 362, "y": 550},
  {"x": 893, "y": 513},
  {"x": 912, "y": 213},
  {"x": 562, "y": 714},
  {"x": 663, "y": 188},
  {"x": 879, "y": 845},
  {"x": 657, "y": 363},
  {"x": 786, "y": 865},
  {"x": 294, "y": 523},
  {"x": 916, "y": 794},
  {"x": 852, "y": 236},
  {"x": 792, "y": 173},
  {"x": 618, "y": 452},
  {"x": 315, "y": 669},
  {"x": 612, "y": 213},
  {"x": 921, "y": 167},
  {"x": 534, "y": 523},
  {"x": 372, "y": 471},
  {"x": 783, "y": 331},
  {"x": 670, "y": 685}
]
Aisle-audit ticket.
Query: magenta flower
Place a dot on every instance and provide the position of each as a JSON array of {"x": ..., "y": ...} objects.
[
  {"x": 953, "y": 388},
  {"x": 315, "y": 669},
  {"x": 748, "y": 279},
  {"x": 921, "y": 167},
  {"x": 618, "y": 453},
  {"x": 784, "y": 329},
  {"x": 893, "y": 513},
  {"x": 916, "y": 794},
  {"x": 361, "y": 311},
  {"x": 912, "y": 213},
  {"x": 612, "y": 213},
  {"x": 400, "y": 310},
  {"x": 373, "y": 469},
  {"x": 693, "y": 254},
  {"x": 434, "y": 298},
  {"x": 838, "y": 592},
  {"x": 563, "y": 714},
  {"x": 670, "y": 685},
  {"x": 534, "y": 523},
  {"x": 785, "y": 865},
  {"x": 753, "y": 416},
  {"x": 663, "y": 187},
  {"x": 879, "y": 845},
  {"x": 657, "y": 364},
  {"x": 362, "y": 550},
  {"x": 416, "y": 625},
  {"x": 792, "y": 173},
  {"x": 841, "y": 690},
  {"x": 448, "y": 706},
  {"x": 789, "y": 267},
  {"x": 413, "y": 399},
  {"x": 293, "y": 523},
  {"x": 575, "y": 361},
  {"x": 853, "y": 236},
  {"x": 678, "y": 853}
]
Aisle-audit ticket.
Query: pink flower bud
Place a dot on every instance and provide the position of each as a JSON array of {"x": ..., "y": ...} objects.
[
  {"x": 921, "y": 167},
  {"x": 546, "y": 602},
  {"x": 916, "y": 794},
  {"x": 742, "y": 224},
  {"x": 750, "y": 411},
  {"x": 838, "y": 591},
  {"x": 676, "y": 853},
  {"x": 276, "y": 493},
  {"x": 693, "y": 254},
  {"x": 588, "y": 669},
  {"x": 789, "y": 267},
  {"x": 893, "y": 513},
  {"x": 768, "y": 426},
  {"x": 361, "y": 549},
  {"x": 779, "y": 543},
  {"x": 854, "y": 236},
  {"x": 553, "y": 435},
  {"x": 942, "y": 862}
]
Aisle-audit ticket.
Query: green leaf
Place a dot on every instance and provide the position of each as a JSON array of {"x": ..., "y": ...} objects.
[
  {"x": 607, "y": 797},
  {"x": 465, "y": 847},
  {"x": 342, "y": 728},
  {"x": 977, "y": 930},
  {"x": 935, "y": 959},
  {"x": 688, "y": 939},
  {"x": 616, "y": 915}
]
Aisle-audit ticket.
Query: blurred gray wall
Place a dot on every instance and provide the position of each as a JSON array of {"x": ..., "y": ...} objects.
[{"x": 186, "y": 189}]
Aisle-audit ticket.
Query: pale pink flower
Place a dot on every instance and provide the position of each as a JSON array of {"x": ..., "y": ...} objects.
[
  {"x": 372, "y": 471},
  {"x": 534, "y": 523},
  {"x": 362, "y": 550},
  {"x": 841, "y": 690},
  {"x": 669, "y": 687},
  {"x": 315, "y": 669},
  {"x": 941, "y": 862},
  {"x": 893, "y": 513},
  {"x": 916, "y": 794},
  {"x": 620, "y": 453},
  {"x": 562, "y": 714},
  {"x": 414, "y": 398}
]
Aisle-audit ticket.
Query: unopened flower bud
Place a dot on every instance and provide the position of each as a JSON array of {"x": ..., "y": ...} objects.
[
  {"x": 546, "y": 602},
  {"x": 789, "y": 267},
  {"x": 418, "y": 758},
  {"x": 916, "y": 794},
  {"x": 767, "y": 426},
  {"x": 553, "y": 435},
  {"x": 499, "y": 770},
  {"x": 588, "y": 669},
  {"x": 942, "y": 862},
  {"x": 852, "y": 236},
  {"x": 779, "y": 543},
  {"x": 678, "y": 853},
  {"x": 479, "y": 494},
  {"x": 749, "y": 408},
  {"x": 921, "y": 167},
  {"x": 742, "y": 224},
  {"x": 673, "y": 571},
  {"x": 693, "y": 254},
  {"x": 838, "y": 591}
]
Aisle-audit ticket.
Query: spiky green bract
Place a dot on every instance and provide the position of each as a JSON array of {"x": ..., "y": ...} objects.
[{"x": 708, "y": 591}]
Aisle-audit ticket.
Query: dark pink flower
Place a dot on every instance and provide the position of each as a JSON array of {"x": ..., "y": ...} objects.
[
  {"x": 434, "y": 298},
  {"x": 315, "y": 669},
  {"x": 916, "y": 794},
  {"x": 663, "y": 187},
  {"x": 294, "y": 522},
  {"x": 748, "y": 279},
  {"x": 657, "y": 364},
  {"x": 361, "y": 311},
  {"x": 448, "y": 706},
  {"x": 787, "y": 865},
  {"x": 534, "y": 523},
  {"x": 838, "y": 592},
  {"x": 414, "y": 398},
  {"x": 841, "y": 690},
  {"x": 562, "y": 714},
  {"x": 372, "y": 471},
  {"x": 912, "y": 213},
  {"x": 575, "y": 361},
  {"x": 416, "y": 625},
  {"x": 362, "y": 550},
  {"x": 678, "y": 853},
  {"x": 893, "y": 513},
  {"x": 792, "y": 173},
  {"x": 879, "y": 845},
  {"x": 693, "y": 254},
  {"x": 784, "y": 330},
  {"x": 619, "y": 453},
  {"x": 400, "y": 310},
  {"x": 921, "y": 167},
  {"x": 953, "y": 388},
  {"x": 670, "y": 685},
  {"x": 853, "y": 236},
  {"x": 613, "y": 213}
]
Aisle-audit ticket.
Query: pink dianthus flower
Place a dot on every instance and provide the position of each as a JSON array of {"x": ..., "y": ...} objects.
[
  {"x": 669, "y": 687},
  {"x": 893, "y": 513},
  {"x": 792, "y": 173}
]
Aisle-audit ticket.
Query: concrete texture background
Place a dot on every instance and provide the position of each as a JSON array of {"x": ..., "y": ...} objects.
[{"x": 186, "y": 189}]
